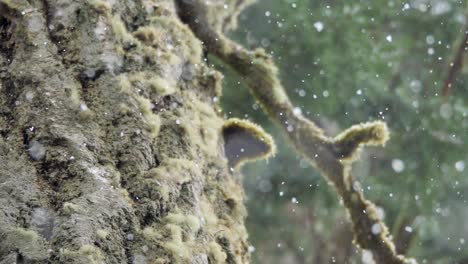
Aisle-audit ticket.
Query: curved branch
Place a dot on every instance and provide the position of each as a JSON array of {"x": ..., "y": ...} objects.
[{"x": 333, "y": 156}]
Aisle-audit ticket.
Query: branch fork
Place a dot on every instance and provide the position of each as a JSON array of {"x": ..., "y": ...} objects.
[{"x": 332, "y": 156}]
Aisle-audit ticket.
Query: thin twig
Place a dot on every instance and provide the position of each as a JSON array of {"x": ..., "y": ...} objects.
[{"x": 456, "y": 65}]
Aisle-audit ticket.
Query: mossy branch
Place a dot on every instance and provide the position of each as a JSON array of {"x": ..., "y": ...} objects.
[
  {"x": 245, "y": 141},
  {"x": 348, "y": 142},
  {"x": 333, "y": 156}
]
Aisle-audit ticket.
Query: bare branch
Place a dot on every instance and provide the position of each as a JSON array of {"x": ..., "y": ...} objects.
[
  {"x": 333, "y": 156},
  {"x": 457, "y": 63}
]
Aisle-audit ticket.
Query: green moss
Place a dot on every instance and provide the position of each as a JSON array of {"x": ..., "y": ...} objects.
[
  {"x": 175, "y": 218},
  {"x": 102, "y": 234},
  {"x": 25, "y": 240},
  {"x": 189, "y": 222},
  {"x": 149, "y": 35},
  {"x": 114, "y": 174},
  {"x": 193, "y": 223},
  {"x": 125, "y": 84},
  {"x": 167, "y": 27},
  {"x": 209, "y": 216},
  {"x": 245, "y": 141},
  {"x": 151, "y": 234},
  {"x": 153, "y": 82},
  {"x": 101, "y": 6},
  {"x": 124, "y": 109},
  {"x": 125, "y": 195},
  {"x": 372, "y": 133},
  {"x": 28, "y": 242},
  {"x": 164, "y": 180},
  {"x": 86, "y": 115},
  {"x": 85, "y": 254},
  {"x": 223, "y": 15},
  {"x": 190, "y": 46},
  {"x": 203, "y": 129},
  {"x": 179, "y": 250},
  {"x": 171, "y": 58},
  {"x": 159, "y": 261},
  {"x": 216, "y": 253},
  {"x": 22, "y": 234},
  {"x": 174, "y": 171},
  {"x": 151, "y": 120},
  {"x": 13, "y": 5},
  {"x": 175, "y": 232},
  {"x": 216, "y": 81},
  {"x": 120, "y": 31},
  {"x": 161, "y": 86},
  {"x": 164, "y": 192},
  {"x": 70, "y": 208},
  {"x": 232, "y": 196},
  {"x": 145, "y": 105},
  {"x": 75, "y": 96},
  {"x": 91, "y": 251}
]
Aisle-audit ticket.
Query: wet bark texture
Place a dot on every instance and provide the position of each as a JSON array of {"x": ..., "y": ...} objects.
[{"x": 110, "y": 144}]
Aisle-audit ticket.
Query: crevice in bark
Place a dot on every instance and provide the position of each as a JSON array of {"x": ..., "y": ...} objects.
[
  {"x": 226, "y": 246},
  {"x": 6, "y": 39},
  {"x": 45, "y": 6},
  {"x": 13, "y": 90},
  {"x": 167, "y": 103},
  {"x": 6, "y": 117},
  {"x": 53, "y": 174}
]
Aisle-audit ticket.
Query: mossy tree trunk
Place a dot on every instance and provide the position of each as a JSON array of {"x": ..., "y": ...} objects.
[{"x": 110, "y": 145}]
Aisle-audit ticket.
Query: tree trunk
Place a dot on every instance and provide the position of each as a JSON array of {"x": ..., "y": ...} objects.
[{"x": 110, "y": 142}]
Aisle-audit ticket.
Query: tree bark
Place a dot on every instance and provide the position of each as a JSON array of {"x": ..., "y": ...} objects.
[{"x": 110, "y": 143}]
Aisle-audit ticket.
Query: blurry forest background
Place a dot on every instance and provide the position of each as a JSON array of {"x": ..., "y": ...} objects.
[{"x": 345, "y": 62}]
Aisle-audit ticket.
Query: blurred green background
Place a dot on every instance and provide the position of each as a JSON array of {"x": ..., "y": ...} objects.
[{"x": 345, "y": 62}]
